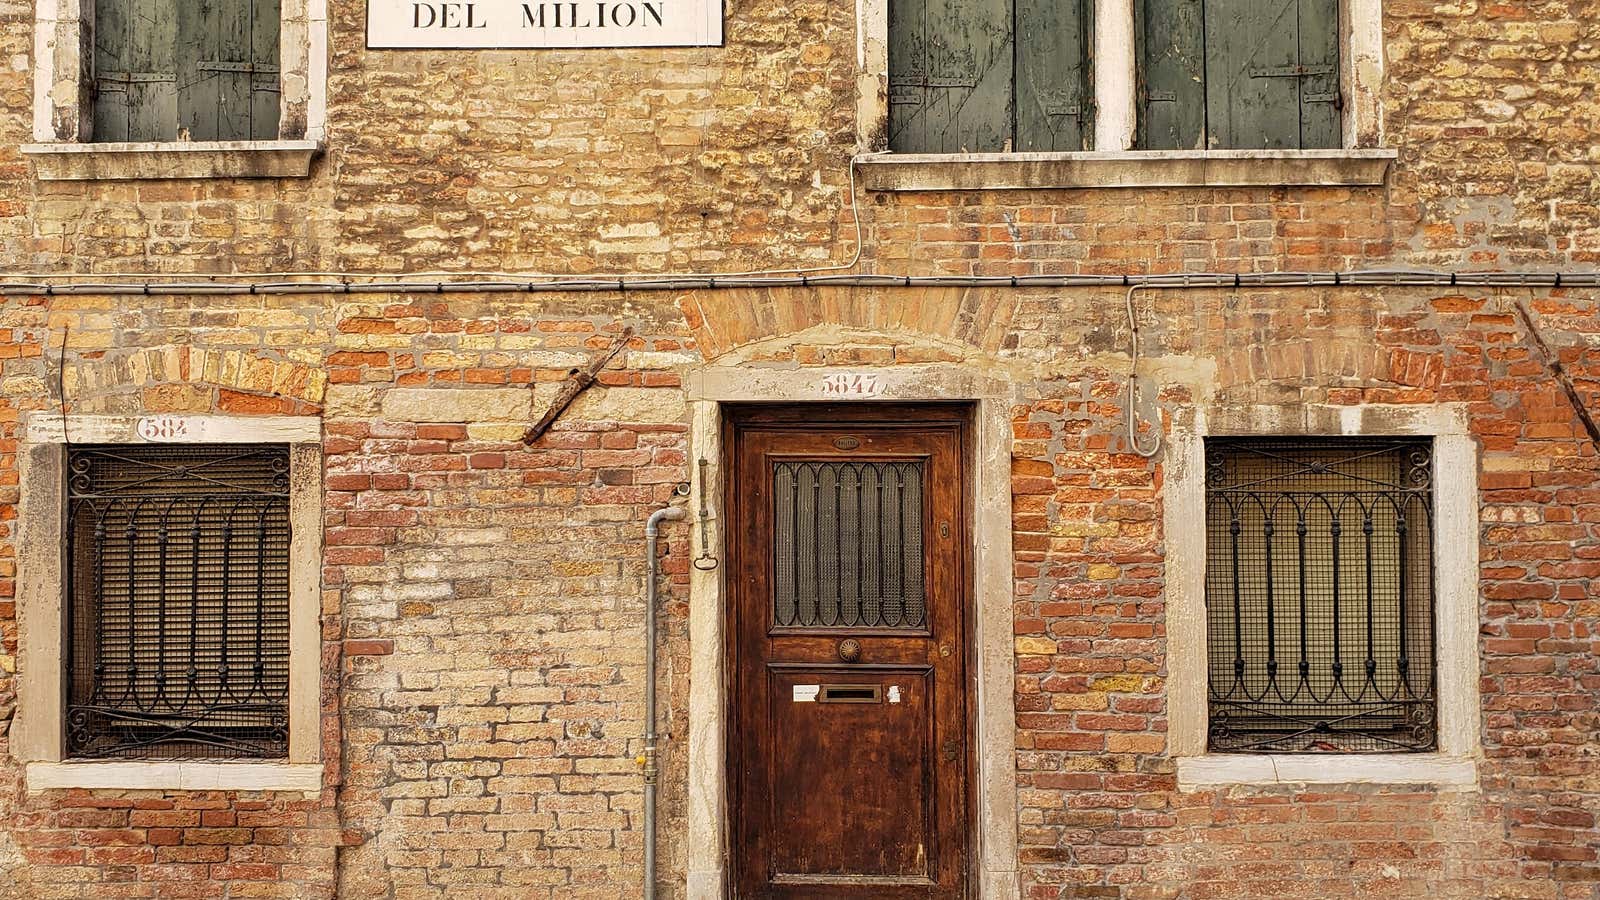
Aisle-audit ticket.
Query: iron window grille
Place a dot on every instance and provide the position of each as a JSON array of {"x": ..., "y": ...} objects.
[
  {"x": 849, "y": 545},
  {"x": 1319, "y": 595},
  {"x": 178, "y": 601}
]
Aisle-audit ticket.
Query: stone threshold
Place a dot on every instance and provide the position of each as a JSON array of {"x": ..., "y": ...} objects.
[
  {"x": 151, "y": 160},
  {"x": 1125, "y": 169},
  {"x": 1434, "y": 770},
  {"x": 175, "y": 775}
]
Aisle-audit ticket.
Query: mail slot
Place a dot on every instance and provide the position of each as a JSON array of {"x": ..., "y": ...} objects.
[{"x": 851, "y": 693}]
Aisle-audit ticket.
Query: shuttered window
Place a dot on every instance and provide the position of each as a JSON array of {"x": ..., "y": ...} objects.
[
  {"x": 1239, "y": 74},
  {"x": 178, "y": 601},
  {"x": 176, "y": 70},
  {"x": 989, "y": 75}
]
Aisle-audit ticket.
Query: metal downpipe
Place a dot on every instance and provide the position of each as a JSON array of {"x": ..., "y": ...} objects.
[{"x": 651, "y": 773}]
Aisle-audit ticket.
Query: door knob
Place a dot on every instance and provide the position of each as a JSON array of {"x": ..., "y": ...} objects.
[{"x": 850, "y": 650}]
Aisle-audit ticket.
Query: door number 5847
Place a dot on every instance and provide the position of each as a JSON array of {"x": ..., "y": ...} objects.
[{"x": 851, "y": 384}]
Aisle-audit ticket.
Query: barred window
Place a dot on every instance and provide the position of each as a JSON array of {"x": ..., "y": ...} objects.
[
  {"x": 1320, "y": 595},
  {"x": 178, "y": 601}
]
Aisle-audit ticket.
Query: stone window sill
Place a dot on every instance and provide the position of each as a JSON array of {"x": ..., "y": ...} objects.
[
  {"x": 176, "y": 775},
  {"x": 1126, "y": 169},
  {"x": 1227, "y": 770},
  {"x": 150, "y": 160}
]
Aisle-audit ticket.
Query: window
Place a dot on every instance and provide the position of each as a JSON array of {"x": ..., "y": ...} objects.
[
  {"x": 163, "y": 89},
  {"x": 1239, "y": 74},
  {"x": 852, "y": 540},
  {"x": 1319, "y": 595},
  {"x": 178, "y": 601},
  {"x": 993, "y": 76},
  {"x": 166, "y": 70},
  {"x": 988, "y": 75}
]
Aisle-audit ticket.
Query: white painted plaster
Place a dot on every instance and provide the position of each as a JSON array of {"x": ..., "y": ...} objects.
[
  {"x": 872, "y": 75},
  {"x": 46, "y": 14},
  {"x": 1115, "y": 76},
  {"x": 1362, "y": 75},
  {"x": 995, "y": 725},
  {"x": 316, "y": 70},
  {"x": 1455, "y": 596},
  {"x": 176, "y": 775}
]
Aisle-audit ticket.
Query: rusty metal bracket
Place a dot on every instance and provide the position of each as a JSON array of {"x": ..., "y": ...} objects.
[
  {"x": 1556, "y": 369},
  {"x": 577, "y": 381}
]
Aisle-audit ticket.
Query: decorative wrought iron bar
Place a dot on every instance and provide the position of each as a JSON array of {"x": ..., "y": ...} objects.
[
  {"x": 849, "y": 545},
  {"x": 179, "y": 569},
  {"x": 1266, "y": 594}
]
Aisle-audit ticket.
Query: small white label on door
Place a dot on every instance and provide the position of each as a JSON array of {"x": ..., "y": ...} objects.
[
  {"x": 806, "y": 693},
  {"x": 894, "y": 693}
]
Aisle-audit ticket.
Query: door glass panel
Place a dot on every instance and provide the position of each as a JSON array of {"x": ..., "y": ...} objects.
[{"x": 848, "y": 548}]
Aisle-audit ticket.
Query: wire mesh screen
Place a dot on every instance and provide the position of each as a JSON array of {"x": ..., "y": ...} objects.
[
  {"x": 848, "y": 552},
  {"x": 179, "y": 601},
  {"x": 1319, "y": 595}
]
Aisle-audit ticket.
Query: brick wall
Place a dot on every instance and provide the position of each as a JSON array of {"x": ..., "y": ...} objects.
[{"x": 482, "y": 600}]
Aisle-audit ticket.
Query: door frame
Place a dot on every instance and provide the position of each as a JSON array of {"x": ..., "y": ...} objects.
[{"x": 992, "y": 792}]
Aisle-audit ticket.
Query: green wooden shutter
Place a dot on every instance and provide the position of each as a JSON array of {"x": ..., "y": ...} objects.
[
  {"x": 950, "y": 75},
  {"x": 1252, "y": 80},
  {"x": 1054, "y": 102},
  {"x": 1239, "y": 74},
  {"x": 1172, "y": 88},
  {"x": 228, "y": 70},
  {"x": 1259, "y": 74},
  {"x": 136, "y": 78},
  {"x": 1320, "y": 103}
]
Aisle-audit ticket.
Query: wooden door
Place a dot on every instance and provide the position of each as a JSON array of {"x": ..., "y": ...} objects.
[{"x": 849, "y": 750}]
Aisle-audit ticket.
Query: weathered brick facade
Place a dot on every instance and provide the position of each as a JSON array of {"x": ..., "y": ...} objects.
[{"x": 482, "y": 600}]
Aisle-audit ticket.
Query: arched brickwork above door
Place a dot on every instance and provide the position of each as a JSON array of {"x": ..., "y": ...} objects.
[{"x": 881, "y": 326}]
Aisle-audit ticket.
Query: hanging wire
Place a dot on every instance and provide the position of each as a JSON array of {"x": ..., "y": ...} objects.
[
  {"x": 61, "y": 387},
  {"x": 1145, "y": 450}
]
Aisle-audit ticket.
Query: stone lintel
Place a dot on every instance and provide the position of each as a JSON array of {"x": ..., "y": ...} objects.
[
  {"x": 152, "y": 160},
  {"x": 1125, "y": 169}
]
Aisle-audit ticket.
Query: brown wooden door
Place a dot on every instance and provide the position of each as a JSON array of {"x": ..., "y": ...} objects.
[{"x": 849, "y": 737}]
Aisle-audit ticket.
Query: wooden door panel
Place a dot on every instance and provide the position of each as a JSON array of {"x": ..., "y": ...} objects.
[
  {"x": 848, "y": 745},
  {"x": 853, "y": 759}
]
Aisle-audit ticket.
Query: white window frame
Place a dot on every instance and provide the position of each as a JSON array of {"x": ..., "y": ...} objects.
[
  {"x": 38, "y": 732},
  {"x": 1455, "y": 538},
  {"x": 62, "y": 112},
  {"x": 1362, "y": 160}
]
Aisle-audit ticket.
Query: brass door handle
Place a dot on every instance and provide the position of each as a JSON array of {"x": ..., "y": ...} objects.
[{"x": 850, "y": 650}]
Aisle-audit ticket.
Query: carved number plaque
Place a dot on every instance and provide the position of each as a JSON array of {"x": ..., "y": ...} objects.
[
  {"x": 851, "y": 384},
  {"x": 162, "y": 429}
]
